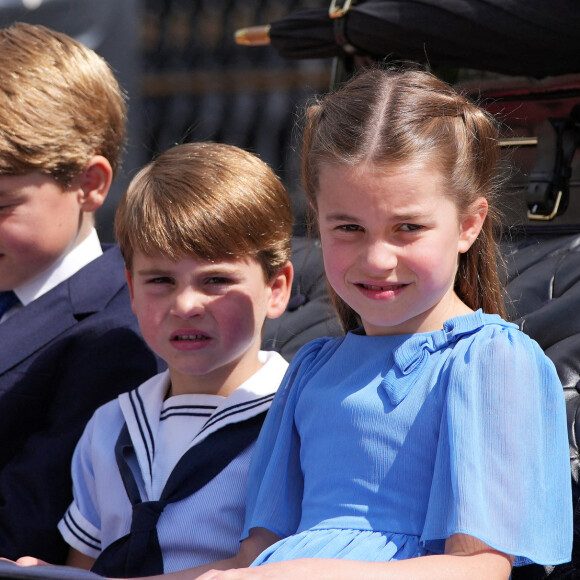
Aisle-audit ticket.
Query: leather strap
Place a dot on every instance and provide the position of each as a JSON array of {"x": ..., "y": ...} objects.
[{"x": 548, "y": 191}]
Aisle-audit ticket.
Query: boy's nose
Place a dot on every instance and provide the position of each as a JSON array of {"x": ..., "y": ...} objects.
[{"x": 188, "y": 303}]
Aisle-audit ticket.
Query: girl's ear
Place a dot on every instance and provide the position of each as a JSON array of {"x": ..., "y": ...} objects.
[
  {"x": 280, "y": 287},
  {"x": 94, "y": 182},
  {"x": 471, "y": 223}
]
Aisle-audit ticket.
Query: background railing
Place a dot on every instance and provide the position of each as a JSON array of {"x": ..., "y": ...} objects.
[{"x": 198, "y": 85}]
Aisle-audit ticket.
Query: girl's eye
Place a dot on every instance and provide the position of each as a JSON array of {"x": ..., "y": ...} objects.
[{"x": 410, "y": 227}]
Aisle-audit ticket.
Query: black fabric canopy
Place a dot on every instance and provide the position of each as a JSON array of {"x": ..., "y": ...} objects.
[{"x": 516, "y": 37}]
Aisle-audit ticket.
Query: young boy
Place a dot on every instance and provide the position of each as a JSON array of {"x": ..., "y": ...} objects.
[
  {"x": 160, "y": 473},
  {"x": 68, "y": 339}
]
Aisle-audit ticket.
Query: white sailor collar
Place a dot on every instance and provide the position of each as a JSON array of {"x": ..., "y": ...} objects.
[{"x": 141, "y": 408}]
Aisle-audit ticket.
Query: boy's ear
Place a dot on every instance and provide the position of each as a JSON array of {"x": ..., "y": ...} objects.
[
  {"x": 129, "y": 283},
  {"x": 280, "y": 286},
  {"x": 94, "y": 182},
  {"x": 471, "y": 224}
]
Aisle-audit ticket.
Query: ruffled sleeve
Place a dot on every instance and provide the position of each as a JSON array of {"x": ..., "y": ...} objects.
[
  {"x": 275, "y": 480},
  {"x": 502, "y": 472}
]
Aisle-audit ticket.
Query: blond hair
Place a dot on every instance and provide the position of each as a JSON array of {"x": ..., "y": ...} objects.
[
  {"x": 208, "y": 200},
  {"x": 60, "y": 104},
  {"x": 386, "y": 116}
]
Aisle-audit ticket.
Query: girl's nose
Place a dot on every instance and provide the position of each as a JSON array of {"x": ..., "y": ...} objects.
[
  {"x": 188, "y": 303},
  {"x": 380, "y": 256}
]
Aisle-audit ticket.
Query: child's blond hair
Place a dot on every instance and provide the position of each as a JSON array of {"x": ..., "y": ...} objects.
[{"x": 60, "y": 104}]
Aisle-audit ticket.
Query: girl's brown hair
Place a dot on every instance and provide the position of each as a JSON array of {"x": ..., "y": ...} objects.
[{"x": 386, "y": 117}]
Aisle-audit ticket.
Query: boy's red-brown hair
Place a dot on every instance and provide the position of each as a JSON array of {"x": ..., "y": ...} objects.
[{"x": 207, "y": 200}]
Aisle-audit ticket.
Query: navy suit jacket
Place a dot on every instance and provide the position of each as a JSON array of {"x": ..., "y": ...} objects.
[{"x": 61, "y": 357}]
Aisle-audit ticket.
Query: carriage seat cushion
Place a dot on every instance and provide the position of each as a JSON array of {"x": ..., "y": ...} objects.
[{"x": 543, "y": 286}]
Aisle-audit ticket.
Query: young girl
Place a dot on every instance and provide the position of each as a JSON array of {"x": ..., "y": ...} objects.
[{"x": 430, "y": 441}]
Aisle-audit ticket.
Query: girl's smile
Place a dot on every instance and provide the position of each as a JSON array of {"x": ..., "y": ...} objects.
[
  {"x": 391, "y": 242},
  {"x": 381, "y": 292}
]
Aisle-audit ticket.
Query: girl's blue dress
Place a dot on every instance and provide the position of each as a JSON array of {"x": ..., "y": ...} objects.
[{"x": 380, "y": 448}]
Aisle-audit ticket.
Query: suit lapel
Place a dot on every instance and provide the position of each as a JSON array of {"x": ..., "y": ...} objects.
[
  {"x": 37, "y": 324},
  {"x": 34, "y": 326}
]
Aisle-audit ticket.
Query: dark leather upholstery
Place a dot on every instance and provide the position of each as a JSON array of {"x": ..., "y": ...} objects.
[
  {"x": 309, "y": 314},
  {"x": 543, "y": 284}
]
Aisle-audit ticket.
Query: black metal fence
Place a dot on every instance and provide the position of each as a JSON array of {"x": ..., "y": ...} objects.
[{"x": 198, "y": 85}]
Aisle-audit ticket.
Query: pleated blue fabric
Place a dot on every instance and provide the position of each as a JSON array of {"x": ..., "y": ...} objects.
[{"x": 382, "y": 447}]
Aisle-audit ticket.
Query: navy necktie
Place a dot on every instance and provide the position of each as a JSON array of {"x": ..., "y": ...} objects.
[
  {"x": 138, "y": 553},
  {"x": 7, "y": 300}
]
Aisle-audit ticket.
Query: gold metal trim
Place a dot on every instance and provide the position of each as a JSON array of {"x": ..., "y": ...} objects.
[
  {"x": 338, "y": 8},
  {"x": 253, "y": 35},
  {"x": 551, "y": 216},
  {"x": 518, "y": 142}
]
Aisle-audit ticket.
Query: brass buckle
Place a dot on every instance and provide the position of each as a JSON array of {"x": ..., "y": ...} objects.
[
  {"x": 338, "y": 8},
  {"x": 551, "y": 215}
]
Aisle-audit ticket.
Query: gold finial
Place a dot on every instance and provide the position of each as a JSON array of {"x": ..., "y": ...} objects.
[{"x": 253, "y": 35}]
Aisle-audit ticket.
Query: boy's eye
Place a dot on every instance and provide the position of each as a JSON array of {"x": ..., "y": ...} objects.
[
  {"x": 349, "y": 228},
  {"x": 160, "y": 280},
  {"x": 219, "y": 280},
  {"x": 11, "y": 202}
]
